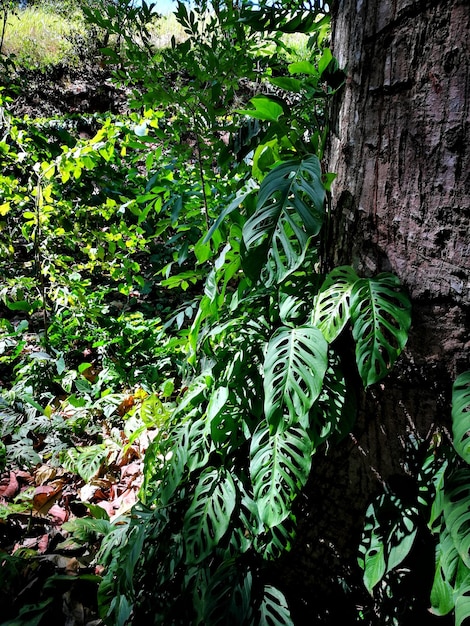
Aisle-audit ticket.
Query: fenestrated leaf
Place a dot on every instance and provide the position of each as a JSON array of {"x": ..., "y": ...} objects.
[
  {"x": 275, "y": 541},
  {"x": 389, "y": 532},
  {"x": 279, "y": 467},
  {"x": 334, "y": 411},
  {"x": 462, "y": 602},
  {"x": 381, "y": 317},
  {"x": 294, "y": 367},
  {"x": 208, "y": 517},
  {"x": 290, "y": 209},
  {"x": 372, "y": 551},
  {"x": 331, "y": 309},
  {"x": 274, "y": 610},
  {"x": 442, "y": 592},
  {"x": 85, "y": 461},
  {"x": 457, "y": 513},
  {"x": 461, "y": 415},
  {"x": 225, "y": 596}
]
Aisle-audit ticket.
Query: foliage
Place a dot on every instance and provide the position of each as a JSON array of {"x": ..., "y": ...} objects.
[
  {"x": 166, "y": 288},
  {"x": 440, "y": 506}
]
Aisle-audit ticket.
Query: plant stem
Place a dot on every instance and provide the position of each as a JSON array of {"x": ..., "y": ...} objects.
[
  {"x": 38, "y": 260},
  {"x": 202, "y": 176}
]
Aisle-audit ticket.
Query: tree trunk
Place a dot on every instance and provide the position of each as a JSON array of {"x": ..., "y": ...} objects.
[{"x": 400, "y": 147}]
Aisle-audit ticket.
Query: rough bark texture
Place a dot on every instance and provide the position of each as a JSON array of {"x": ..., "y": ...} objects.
[
  {"x": 400, "y": 203},
  {"x": 400, "y": 148}
]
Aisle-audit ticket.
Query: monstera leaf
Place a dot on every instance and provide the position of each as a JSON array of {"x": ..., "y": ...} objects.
[
  {"x": 208, "y": 517},
  {"x": 274, "y": 610},
  {"x": 290, "y": 209},
  {"x": 461, "y": 415},
  {"x": 457, "y": 513},
  {"x": 279, "y": 467},
  {"x": 380, "y": 314},
  {"x": 331, "y": 310},
  {"x": 294, "y": 367}
]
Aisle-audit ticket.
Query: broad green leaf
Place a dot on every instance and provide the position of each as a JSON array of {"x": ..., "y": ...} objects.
[
  {"x": 275, "y": 541},
  {"x": 372, "y": 552},
  {"x": 303, "y": 67},
  {"x": 334, "y": 411},
  {"x": 294, "y": 367},
  {"x": 286, "y": 83},
  {"x": 331, "y": 309},
  {"x": 442, "y": 592},
  {"x": 381, "y": 317},
  {"x": 325, "y": 60},
  {"x": 279, "y": 467},
  {"x": 462, "y": 602},
  {"x": 457, "y": 513},
  {"x": 265, "y": 109},
  {"x": 290, "y": 209},
  {"x": 461, "y": 415},
  {"x": 274, "y": 610},
  {"x": 389, "y": 533},
  {"x": 223, "y": 597},
  {"x": 199, "y": 444},
  {"x": 208, "y": 517},
  {"x": 85, "y": 461}
]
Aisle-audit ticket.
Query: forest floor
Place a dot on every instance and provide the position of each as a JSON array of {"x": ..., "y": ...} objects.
[{"x": 65, "y": 91}]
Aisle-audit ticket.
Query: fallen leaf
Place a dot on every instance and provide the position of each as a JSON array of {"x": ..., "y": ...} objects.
[
  {"x": 43, "y": 543},
  {"x": 59, "y": 515},
  {"x": 45, "y": 497},
  {"x": 44, "y": 473},
  {"x": 9, "y": 485}
]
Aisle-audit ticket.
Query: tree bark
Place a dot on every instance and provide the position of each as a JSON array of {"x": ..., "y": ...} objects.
[{"x": 400, "y": 147}]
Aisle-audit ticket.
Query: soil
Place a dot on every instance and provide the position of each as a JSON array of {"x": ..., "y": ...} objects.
[{"x": 63, "y": 90}]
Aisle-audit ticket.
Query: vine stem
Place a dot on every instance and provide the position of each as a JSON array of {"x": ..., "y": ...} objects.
[
  {"x": 203, "y": 179},
  {"x": 38, "y": 259}
]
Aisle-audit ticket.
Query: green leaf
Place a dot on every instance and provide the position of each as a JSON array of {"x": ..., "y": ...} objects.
[
  {"x": 274, "y": 610},
  {"x": 442, "y": 592},
  {"x": 457, "y": 513},
  {"x": 372, "y": 551},
  {"x": 224, "y": 597},
  {"x": 85, "y": 461},
  {"x": 295, "y": 364},
  {"x": 288, "y": 84},
  {"x": 290, "y": 209},
  {"x": 381, "y": 317},
  {"x": 461, "y": 415},
  {"x": 208, "y": 517},
  {"x": 389, "y": 533},
  {"x": 334, "y": 411},
  {"x": 332, "y": 304},
  {"x": 279, "y": 467},
  {"x": 265, "y": 109},
  {"x": 462, "y": 602},
  {"x": 303, "y": 67}
]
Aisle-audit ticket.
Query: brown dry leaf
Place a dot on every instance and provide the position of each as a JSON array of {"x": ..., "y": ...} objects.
[
  {"x": 9, "y": 485},
  {"x": 44, "y": 473},
  {"x": 43, "y": 544},
  {"x": 58, "y": 514},
  {"x": 45, "y": 497}
]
